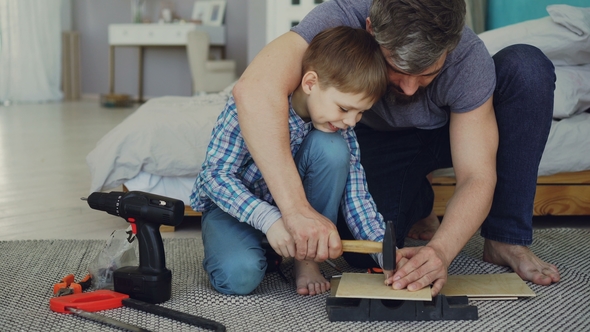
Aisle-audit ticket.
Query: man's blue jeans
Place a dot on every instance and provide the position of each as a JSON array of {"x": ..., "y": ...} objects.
[
  {"x": 396, "y": 163},
  {"x": 234, "y": 257}
]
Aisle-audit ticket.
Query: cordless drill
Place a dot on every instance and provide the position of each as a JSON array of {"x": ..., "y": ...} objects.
[{"x": 151, "y": 281}]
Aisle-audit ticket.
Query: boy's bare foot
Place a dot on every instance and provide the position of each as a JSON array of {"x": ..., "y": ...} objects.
[
  {"x": 424, "y": 229},
  {"x": 310, "y": 280},
  {"x": 522, "y": 260}
]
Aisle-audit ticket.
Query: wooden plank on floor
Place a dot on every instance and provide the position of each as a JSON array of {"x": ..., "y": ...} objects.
[
  {"x": 188, "y": 211},
  {"x": 372, "y": 286},
  {"x": 501, "y": 285}
]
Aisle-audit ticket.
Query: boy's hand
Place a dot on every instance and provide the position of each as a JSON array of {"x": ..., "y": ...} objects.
[
  {"x": 280, "y": 240},
  {"x": 316, "y": 237}
]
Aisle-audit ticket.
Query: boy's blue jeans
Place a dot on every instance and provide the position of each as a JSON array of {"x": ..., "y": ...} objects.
[
  {"x": 234, "y": 257},
  {"x": 396, "y": 163}
]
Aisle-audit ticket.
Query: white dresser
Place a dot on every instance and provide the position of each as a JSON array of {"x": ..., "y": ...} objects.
[
  {"x": 155, "y": 35},
  {"x": 160, "y": 34}
]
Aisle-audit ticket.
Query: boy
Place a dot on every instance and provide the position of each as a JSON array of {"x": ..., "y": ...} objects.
[{"x": 344, "y": 73}]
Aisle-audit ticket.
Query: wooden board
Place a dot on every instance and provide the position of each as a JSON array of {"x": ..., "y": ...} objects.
[
  {"x": 188, "y": 211},
  {"x": 372, "y": 286},
  {"x": 562, "y": 200},
  {"x": 502, "y": 285},
  {"x": 561, "y": 194}
]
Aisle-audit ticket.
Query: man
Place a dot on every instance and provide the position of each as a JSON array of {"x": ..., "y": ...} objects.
[{"x": 449, "y": 103}]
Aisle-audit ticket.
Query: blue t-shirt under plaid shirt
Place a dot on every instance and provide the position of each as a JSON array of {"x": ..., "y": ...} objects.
[{"x": 231, "y": 180}]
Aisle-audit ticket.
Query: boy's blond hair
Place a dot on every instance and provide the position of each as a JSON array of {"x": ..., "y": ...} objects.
[{"x": 349, "y": 60}]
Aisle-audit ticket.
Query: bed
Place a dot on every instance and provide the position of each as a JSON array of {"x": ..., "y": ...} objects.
[{"x": 161, "y": 146}]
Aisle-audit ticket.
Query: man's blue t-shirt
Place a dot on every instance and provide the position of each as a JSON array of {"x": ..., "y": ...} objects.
[{"x": 466, "y": 81}]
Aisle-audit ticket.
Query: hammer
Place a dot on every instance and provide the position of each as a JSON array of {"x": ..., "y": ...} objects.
[{"x": 370, "y": 247}]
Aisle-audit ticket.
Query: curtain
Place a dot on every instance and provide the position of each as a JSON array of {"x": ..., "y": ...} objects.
[
  {"x": 476, "y": 14},
  {"x": 30, "y": 50}
]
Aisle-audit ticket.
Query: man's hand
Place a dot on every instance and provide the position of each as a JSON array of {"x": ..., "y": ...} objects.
[
  {"x": 280, "y": 240},
  {"x": 389, "y": 273},
  {"x": 316, "y": 237},
  {"x": 418, "y": 268}
]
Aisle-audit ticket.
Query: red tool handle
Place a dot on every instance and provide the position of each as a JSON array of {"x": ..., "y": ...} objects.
[
  {"x": 91, "y": 301},
  {"x": 65, "y": 283}
]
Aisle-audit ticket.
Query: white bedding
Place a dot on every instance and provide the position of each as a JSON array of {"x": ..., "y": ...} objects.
[
  {"x": 161, "y": 146},
  {"x": 567, "y": 150}
]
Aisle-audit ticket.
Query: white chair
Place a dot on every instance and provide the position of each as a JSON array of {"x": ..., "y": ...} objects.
[{"x": 208, "y": 75}]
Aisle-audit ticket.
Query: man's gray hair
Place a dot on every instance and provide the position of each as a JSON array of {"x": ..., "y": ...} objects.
[{"x": 417, "y": 32}]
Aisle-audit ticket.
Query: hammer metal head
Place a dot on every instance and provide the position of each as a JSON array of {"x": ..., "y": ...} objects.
[{"x": 389, "y": 247}]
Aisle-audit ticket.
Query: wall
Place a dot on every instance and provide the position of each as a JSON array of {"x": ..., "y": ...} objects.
[
  {"x": 506, "y": 12},
  {"x": 166, "y": 70},
  {"x": 268, "y": 19}
]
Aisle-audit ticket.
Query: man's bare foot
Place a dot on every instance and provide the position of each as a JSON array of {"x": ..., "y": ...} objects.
[
  {"x": 522, "y": 260},
  {"x": 310, "y": 280},
  {"x": 424, "y": 229}
]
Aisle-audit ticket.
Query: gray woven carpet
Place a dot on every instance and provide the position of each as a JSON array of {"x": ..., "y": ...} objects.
[{"x": 30, "y": 268}]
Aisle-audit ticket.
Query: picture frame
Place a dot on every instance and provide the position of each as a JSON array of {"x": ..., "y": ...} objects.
[
  {"x": 216, "y": 12},
  {"x": 200, "y": 11}
]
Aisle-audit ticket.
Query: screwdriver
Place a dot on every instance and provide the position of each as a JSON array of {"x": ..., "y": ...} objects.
[{"x": 106, "y": 320}]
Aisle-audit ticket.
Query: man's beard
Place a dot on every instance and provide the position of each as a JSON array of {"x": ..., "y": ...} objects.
[{"x": 394, "y": 95}]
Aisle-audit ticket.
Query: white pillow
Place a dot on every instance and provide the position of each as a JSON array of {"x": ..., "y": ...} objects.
[
  {"x": 572, "y": 91},
  {"x": 564, "y": 36}
]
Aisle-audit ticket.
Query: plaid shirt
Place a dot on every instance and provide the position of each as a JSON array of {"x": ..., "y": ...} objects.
[{"x": 231, "y": 180}]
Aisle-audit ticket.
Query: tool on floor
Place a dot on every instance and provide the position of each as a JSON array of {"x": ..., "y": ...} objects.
[
  {"x": 440, "y": 308},
  {"x": 333, "y": 265},
  {"x": 375, "y": 270},
  {"x": 107, "y": 320},
  {"x": 151, "y": 281},
  {"x": 359, "y": 309},
  {"x": 85, "y": 304},
  {"x": 101, "y": 299},
  {"x": 67, "y": 285},
  {"x": 174, "y": 314}
]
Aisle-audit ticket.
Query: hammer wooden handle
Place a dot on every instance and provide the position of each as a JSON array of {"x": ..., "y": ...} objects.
[{"x": 362, "y": 246}]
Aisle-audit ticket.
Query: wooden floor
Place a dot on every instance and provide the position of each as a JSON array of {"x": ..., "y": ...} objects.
[
  {"x": 43, "y": 171},
  {"x": 43, "y": 174}
]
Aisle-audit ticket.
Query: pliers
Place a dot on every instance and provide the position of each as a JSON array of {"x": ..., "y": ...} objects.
[{"x": 67, "y": 285}]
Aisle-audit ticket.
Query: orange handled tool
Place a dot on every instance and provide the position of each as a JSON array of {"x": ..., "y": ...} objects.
[
  {"x": 85, "y": 304},
  {"x": 91, "y": 301},
  {"x": 67, "y": 285}
]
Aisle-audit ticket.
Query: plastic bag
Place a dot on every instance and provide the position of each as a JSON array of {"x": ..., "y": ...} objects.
[{"x": 119, "y": 251}]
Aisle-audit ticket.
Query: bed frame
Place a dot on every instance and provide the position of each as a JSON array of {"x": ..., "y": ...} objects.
[{"x": 564, "y": 194}]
